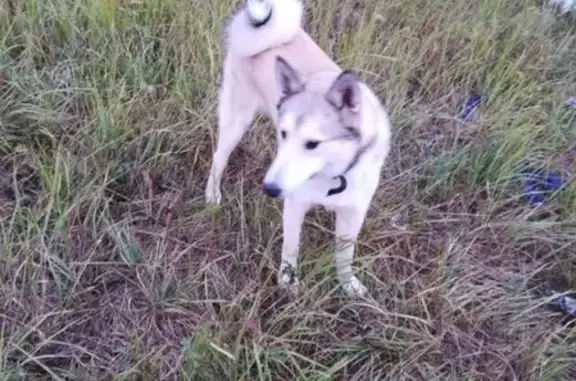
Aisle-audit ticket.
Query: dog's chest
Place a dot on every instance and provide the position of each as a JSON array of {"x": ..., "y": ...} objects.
[{"x": 315, "y": 191}]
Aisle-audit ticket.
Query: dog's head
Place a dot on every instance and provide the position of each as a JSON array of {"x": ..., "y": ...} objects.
[{"x": 319, "y": 131}]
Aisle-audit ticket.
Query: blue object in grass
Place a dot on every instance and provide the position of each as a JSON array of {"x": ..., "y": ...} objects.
[
  {"x": 471, "y": 104},
  {"x": 540, "y": 183},
  {"x": 567, "y": 302}
]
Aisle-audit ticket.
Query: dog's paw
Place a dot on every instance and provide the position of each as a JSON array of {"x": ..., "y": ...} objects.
[
  {"x": 354, "y": 288},
  {"x": 287, "y": 279},
  {"x": 213, "y": 195}
]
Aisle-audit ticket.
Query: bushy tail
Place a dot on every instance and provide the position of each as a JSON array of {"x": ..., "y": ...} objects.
[{"x": 263, "y": 24}]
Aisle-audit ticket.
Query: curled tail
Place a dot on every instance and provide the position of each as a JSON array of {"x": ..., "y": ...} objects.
[{"x": 262, "y": 24}]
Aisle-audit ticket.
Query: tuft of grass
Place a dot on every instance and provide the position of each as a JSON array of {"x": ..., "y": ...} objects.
[{"x": 112, "y": 267}]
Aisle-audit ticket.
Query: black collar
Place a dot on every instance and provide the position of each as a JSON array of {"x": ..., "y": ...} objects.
[{"x": 339, "y": 189}]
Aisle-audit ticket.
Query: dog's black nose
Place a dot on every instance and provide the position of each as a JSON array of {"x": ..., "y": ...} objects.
[{"x": 272, "y": 190}]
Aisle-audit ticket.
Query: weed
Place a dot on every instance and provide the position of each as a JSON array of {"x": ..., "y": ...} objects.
[{"x": 113, "y": 268}]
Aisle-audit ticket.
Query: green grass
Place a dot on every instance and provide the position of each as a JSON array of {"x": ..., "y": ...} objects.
[{"x": 112, "y": 267}]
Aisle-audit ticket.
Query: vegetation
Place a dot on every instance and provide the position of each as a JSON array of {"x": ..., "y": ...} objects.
[{"x": 113, "y": 268}]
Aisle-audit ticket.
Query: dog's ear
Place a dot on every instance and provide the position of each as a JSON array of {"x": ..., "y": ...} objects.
[
  {"x": 344, "y": 94},
  {"x": 288, "y": 79}
]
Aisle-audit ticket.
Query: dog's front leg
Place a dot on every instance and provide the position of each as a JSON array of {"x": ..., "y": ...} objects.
[
  {"x": 292, "y": 219},
  {"x": 348, "y": 224}
]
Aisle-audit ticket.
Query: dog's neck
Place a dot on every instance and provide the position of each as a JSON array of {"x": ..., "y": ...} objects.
[{"x": 355, "y": 160}]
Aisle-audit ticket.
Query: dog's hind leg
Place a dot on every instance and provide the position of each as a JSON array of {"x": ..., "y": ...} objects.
[
  {"x": 238, "y": 103},
  {"x": 348, "y": 224}
]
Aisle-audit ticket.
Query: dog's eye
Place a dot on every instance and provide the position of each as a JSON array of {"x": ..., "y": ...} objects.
[
  {"x": 311, "y": 144},
  {"x": 283, "y": 134}
]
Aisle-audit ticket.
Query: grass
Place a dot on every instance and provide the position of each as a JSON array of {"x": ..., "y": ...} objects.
[{"x": 112, "y": 267}]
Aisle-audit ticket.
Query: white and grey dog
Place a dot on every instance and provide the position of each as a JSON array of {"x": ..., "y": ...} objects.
[{"x": 333, "y": 133}]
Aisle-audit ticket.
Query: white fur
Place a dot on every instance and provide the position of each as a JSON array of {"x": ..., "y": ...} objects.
[
  {"x": 244, "y": 41},
  {"x": 258, "y": 10},
  {"x": 252, "y": 83}
]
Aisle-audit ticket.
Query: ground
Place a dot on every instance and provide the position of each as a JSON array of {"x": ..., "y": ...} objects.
[{"x": 113, "y": 268}]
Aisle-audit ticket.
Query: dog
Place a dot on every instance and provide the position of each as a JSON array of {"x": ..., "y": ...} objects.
[{"x": 333, "y": 133}]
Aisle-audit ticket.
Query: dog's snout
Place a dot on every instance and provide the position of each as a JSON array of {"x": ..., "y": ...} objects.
[{"x": 272, "y": 190}]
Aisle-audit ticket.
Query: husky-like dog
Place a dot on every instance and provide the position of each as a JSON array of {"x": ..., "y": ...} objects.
[{"x": 333, "y": 133}]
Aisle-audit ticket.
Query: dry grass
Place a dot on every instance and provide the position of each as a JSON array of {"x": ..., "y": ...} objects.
[{"x": 112, "y": 268}]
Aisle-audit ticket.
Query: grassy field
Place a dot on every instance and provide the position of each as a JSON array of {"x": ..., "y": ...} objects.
[{"x": 112, "y": 267}]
